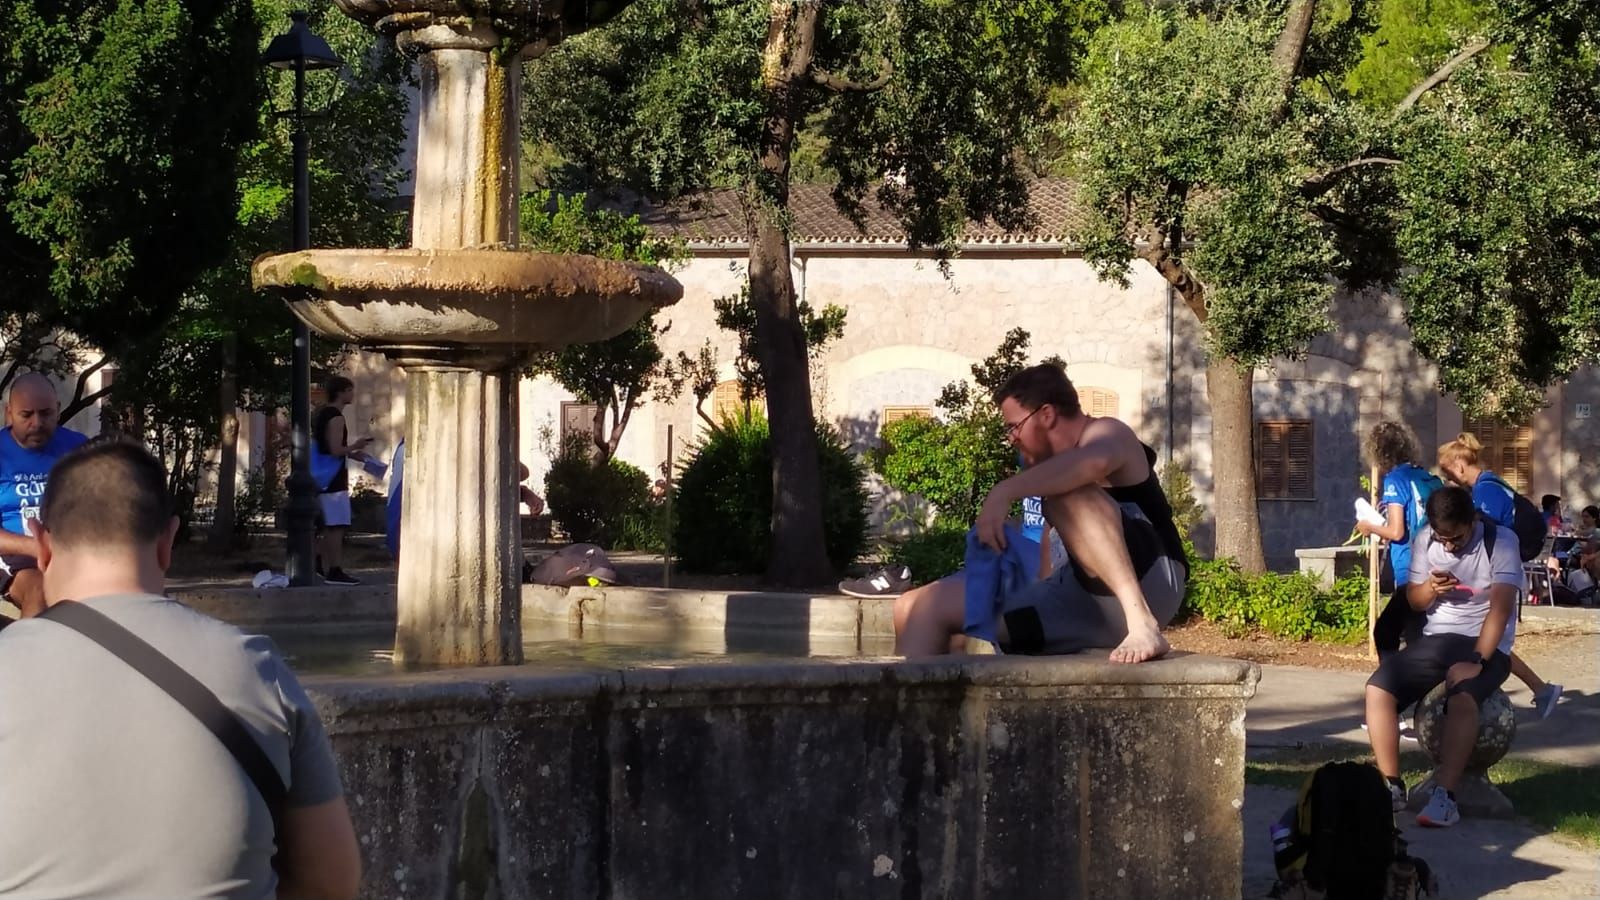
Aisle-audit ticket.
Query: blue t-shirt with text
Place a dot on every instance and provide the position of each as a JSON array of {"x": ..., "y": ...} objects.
[
  {"x": 23, "y": 473},
  {"x": 1402, "y": 485}
]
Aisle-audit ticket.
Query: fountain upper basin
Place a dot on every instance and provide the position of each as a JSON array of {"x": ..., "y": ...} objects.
[{"x": 380, "y": 298}]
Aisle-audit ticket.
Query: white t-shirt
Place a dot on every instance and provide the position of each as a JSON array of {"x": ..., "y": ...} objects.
[{"x": 1463, "y": 609}]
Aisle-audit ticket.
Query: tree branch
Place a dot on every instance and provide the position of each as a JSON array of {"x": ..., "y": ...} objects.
[
  {"x": 78, "y": 404},
  {"x": 1178, "y": 275},
  {"x": 845, "y": 86},
  {"x": 1290, "y": 48},
  {"x": 1321, "y": 183},
  {"x": 1441, "y": 75}
]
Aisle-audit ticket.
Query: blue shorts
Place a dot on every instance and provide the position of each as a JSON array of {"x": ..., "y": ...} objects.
[{"x": 1070, "y": 610}]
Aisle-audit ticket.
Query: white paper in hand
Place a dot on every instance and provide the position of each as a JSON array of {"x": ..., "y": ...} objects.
[{"x": 1365, "y": 512}]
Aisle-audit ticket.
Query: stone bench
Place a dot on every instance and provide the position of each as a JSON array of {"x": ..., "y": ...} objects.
[
  {"x": 1001, "y": 777},
  {"x": 1327, "y": 564}
]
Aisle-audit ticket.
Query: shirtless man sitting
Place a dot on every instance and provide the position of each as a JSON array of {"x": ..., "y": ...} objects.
[{"x": 1125, "y": 572}]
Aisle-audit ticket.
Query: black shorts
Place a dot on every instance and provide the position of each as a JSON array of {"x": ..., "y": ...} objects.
[
  {"x": 1410, "y": 674},
  {"x": 12, "y": 565}
]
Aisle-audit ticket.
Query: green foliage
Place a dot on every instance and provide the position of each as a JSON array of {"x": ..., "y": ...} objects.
[
  {"x": 120, "y": 125},
  {"x": 1502, "y": 231},
  {"x": 593, "y": 498},
  {"x": 670, "y": 100},
  {"x": 1181, "y": 129},
  {"x": 1293, "y": 606},
  {"x": 955, "y": 460},
  {"x": 617, "y": 374},
  {"x": 1179, "y": 488},
  {"x": 1412, "y": 38},
  {"x": 723, "y": 504},
  {"x": 933, "y": 552},
  {"x": 735, "y": 313}
]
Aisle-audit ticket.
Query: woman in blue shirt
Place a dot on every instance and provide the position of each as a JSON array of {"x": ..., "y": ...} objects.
[{"x": 1496, "y": 502}]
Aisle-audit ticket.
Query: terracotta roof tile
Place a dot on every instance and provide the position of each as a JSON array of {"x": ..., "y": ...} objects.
[{"x": 714, "y": 218}]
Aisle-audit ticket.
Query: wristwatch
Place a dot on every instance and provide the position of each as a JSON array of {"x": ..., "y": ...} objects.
[{"x": 1476, "y": 658}]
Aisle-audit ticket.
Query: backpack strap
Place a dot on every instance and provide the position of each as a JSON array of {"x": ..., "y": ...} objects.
[{"x": 186, "y": 690}]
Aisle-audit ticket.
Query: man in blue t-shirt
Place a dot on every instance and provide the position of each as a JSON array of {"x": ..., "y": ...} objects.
[{"x": 30, "y": 444}]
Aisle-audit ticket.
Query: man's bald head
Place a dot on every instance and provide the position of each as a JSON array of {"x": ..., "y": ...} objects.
[{"x": 33, "y": 410}]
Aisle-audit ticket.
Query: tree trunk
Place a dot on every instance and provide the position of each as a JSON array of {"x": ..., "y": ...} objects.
[
  {"x": 799, "y": 554},
  {"x": 1228, "y": 386},
  {"x": 221, "y": 537}
]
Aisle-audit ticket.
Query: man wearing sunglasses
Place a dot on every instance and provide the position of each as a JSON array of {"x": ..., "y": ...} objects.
[{"x": 1466, "y": 579}]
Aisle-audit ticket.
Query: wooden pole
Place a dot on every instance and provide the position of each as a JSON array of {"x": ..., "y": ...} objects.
[
  {"x": 666, "y": 545},
  {"x": 1374, "y": 568}
]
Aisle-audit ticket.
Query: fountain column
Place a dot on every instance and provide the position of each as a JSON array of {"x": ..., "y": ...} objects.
[
  {"x": 460, "y": 601},
  {"x": 461, "y": 310}
]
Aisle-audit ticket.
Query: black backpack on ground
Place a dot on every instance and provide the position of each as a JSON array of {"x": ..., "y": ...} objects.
[
  {"x": 1526, "y": 521},
  {"x": 1344, "y": 844}
]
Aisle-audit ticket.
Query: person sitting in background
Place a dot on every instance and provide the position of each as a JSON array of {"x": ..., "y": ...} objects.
[
  {"x": 1466, "y": 578},
  {"x": 1589, "y": 523},
  {"x": 29, "y": 447},
  {"x": 1550, "y": 506}
]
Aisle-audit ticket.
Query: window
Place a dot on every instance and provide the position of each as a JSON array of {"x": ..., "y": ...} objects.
[
  {"x": 1098, "y": 401},
  {"x": 1283, "y": 461},
  {"x": 576, "y": 418},
  {"x": 1507, "y": 450},
  {"x": 725, "y": 402},
  {"x": 896, "y": 413}
]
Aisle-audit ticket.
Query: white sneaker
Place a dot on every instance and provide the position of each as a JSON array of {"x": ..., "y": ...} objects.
[
  {"x": 1441, "y": 811},
  {"x": 1545, "y": 701}
]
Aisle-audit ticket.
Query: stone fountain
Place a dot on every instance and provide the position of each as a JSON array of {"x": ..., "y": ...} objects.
[{"x": 460, "y": 312}]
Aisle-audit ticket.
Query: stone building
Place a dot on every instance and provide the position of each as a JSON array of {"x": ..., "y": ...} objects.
[{"x": 1133, "y": 352}]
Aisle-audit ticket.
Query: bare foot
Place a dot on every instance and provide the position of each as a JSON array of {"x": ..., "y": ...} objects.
[{"x": 1141, "y": 645}]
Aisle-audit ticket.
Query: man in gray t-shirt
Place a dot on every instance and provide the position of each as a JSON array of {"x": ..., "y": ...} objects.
[
  {"x": 1465, "y": 574},
  {"x": 108, "y": 786}
]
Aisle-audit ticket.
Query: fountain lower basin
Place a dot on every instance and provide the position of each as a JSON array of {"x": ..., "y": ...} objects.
[{"x": 408, "y": 298}]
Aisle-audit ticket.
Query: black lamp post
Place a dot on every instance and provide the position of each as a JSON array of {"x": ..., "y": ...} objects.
[{"x": 301, "y": 50}]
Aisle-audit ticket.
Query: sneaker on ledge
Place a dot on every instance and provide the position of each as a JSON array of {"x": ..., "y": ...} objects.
[
  {"x": 888, "y": 582},
  {"x": 338, "y": 576},
  {"x": 1441, "y": 811},
  {"x": 1545, "y": 700}
]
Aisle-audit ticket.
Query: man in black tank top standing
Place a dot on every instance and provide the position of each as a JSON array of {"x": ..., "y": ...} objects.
[
  {"x": 1126, "y": 568},
  {"x": 331, "y": 438}
]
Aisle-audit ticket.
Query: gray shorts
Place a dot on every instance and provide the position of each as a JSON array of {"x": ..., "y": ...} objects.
[{"x": 1071, "y": 610}]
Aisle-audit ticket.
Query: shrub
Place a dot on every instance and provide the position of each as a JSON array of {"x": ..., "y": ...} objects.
[
  {"x": 591, "y": 500},
  {"x": 1293, "y": 606},
  {"x": 723, "y": 503},
  {"x": 933, "y": 552}
]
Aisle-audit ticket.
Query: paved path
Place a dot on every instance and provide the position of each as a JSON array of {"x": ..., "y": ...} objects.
[
  {"x": 1472, "y": 859},
  {"x": 1297, "y": 706}
]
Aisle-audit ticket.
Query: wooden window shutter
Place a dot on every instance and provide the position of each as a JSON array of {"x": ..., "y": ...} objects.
[
  {"x": 1507, "y": 449},
  {"x": 1299, "y": 462},
  {"x": 1269, "y": 460},
  {"x": 1284, "y": 461},
  {"x": 896, "y": 413}
]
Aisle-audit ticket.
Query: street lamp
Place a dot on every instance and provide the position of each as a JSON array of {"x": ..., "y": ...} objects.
[{"x": 301, "y": 50}]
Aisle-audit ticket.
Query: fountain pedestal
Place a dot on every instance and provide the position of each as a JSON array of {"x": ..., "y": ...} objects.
[
  {"x": 461, "y": 311},
  {"x": 458, "y": 591}
]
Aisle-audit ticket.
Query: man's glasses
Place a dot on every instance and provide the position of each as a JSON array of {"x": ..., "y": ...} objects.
[
  {"x": 1012, "y": 429},
  {"x": 1455, "y": 542}
]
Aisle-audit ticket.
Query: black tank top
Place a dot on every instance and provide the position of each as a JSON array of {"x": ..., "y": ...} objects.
[
  {"x": 319, "y": 436},
  {"x": 1152, "y": 501}
]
